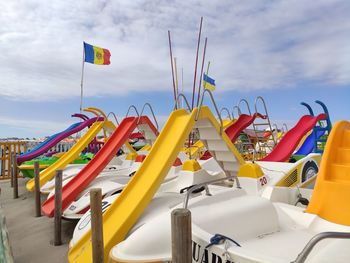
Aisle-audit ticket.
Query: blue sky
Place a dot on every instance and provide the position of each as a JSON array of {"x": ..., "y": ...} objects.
[{"x": 286, "y": 51}]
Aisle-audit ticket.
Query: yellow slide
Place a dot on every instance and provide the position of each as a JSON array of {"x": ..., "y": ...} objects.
[
  {"x": 138, "y": 193},
  {"x": 331, "y": 197},
  {"x": 129, "y": 206},
  {"x": 69, "y": 156}
]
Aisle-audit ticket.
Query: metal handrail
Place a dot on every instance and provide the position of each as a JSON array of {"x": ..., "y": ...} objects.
[
  {"x": 233, "y": 111},
  {"x": 215, "y": 106},
  {"x": 132, "y": 107},
  {"x": 227, "y": 111},
  {"x": 205, "y": 184},
  {"x": 275, "y": 126},
  {"x": 153, "y": 115},
  {"x": 266, "y": 114},
  {"x": 285, "y": 126},
  {"x": 246, "y": 102},
  {"x": 311, "y": 112},
  {"x": 186, "y": 101},
  {"x": 115, "y": 117},
  {"x": 317, "y": 238}
]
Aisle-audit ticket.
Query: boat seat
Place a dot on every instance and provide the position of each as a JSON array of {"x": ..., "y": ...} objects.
[{"x": 236, "y": 216}]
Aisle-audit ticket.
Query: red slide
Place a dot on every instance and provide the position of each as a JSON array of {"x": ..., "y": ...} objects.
[
  {"x": 72, "y": 189},
  {"x": 291, "y": 139},
  {"x": 238, "y": 126}
]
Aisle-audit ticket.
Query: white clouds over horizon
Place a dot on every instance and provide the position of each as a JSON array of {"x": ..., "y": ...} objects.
[{"x": 252, "y": 45}]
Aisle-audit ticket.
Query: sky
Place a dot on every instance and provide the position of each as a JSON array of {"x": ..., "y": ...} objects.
[{"x": 286, "y": 51}]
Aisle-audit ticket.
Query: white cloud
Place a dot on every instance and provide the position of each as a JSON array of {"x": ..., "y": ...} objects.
[{"x": 252, "y": 45}]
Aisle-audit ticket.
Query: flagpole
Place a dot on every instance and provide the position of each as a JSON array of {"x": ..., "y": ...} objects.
[
  {"x": 201, "y": 75},
  {"x": 176, "y": 83},
  {"x": 182, "y": 86},
  {"x": 207, "y": 74},
  {"x": 82, "y": 81},
  {"x": 195, "y": 67},
  {"x": 172, "y": 68}
]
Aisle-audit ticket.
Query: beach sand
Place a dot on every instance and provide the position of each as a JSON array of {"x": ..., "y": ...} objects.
[{"x": 31, "y": 237}]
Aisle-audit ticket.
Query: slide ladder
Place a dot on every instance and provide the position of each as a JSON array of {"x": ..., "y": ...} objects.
[
  {"x": 261, "y": 127},
  {"x": 138, "y": 193},
  {"x": 331, "y": 197}
]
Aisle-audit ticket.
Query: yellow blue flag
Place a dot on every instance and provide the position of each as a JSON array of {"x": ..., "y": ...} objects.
[{"x": 208, "y": 82}]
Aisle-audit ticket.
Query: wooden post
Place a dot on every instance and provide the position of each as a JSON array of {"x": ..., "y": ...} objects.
[
  {"x": 181, "y": 236},
  {"x": 10, "y": 167},
  {"x": 37, "y": 189},
  {"x": 14, "y": 176},
  {"x": 96, "y": 225},
  {"x": 58, "y": 208}
]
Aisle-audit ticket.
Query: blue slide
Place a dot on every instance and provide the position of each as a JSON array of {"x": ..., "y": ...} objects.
[{"x": 309, "y": 143}]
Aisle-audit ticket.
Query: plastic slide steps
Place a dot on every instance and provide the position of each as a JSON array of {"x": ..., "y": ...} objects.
[
  {"x": 129, "y": 206},
  {"x": 290, "y": 140},
  {"x": 309, "y": 143},
  {"x": 69, "y": 156},
  {"x": 75, "y": 186},
  {"x": 331, "y": 197},
  {"x": 53, "y": 140},
  {"x": 244, "y": 120}
]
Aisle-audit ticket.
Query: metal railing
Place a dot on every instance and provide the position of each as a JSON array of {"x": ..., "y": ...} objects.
[
  {"x": 233, "y": 111},
  {"x": 227, "y": 111},
  {"x": 115, "y": 117},
  {"x": 184, "y": 99},
  {"x": 246, "y": 103},
  {"x": 316, "y": 239},
  {"x": 134, "y": 108},
  {"x": 152, "y": 112},
  {"x": 205, "y": 184}
]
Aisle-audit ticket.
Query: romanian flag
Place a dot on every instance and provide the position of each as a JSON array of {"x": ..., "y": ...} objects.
[
  {"x": 96, "y": 55},
  {"x": 208, "y": 82}
]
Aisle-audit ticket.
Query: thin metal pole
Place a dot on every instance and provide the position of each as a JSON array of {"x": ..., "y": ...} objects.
[
  {"x": 182, "y": 86},
  {"x": 201, "y": 76},
  {"x": 37, "y": 189},
  {"x": 195, "y": 67},
  {"x": 172, "y": 67},
  {"x": 82, "y": 81},
  {"x": 96, "y": 225},
  {"x": 176, "y": 83}
]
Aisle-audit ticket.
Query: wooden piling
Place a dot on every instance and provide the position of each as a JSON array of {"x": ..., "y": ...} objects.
[
  {"x": 14, "y": 176},
  {"x": 58, "y": 208},
  {"x": 37, "y": 189},
  {"x": 96, "y": 225},
  {"x": 181, "y": 236}
]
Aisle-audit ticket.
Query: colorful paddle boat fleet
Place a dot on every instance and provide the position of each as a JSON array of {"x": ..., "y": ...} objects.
[{"x": 255, "y": 193}]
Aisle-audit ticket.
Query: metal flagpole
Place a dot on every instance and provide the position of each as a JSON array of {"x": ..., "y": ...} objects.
[
  {"x": 82, "y": 81},
  {"x": 172, "y": 68},
  {"x": 182, "y": 86},
  {"x": 195, "y": 67},
  {"x": 176, "y": 83},
  {"x": 201, "y": 75}
]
